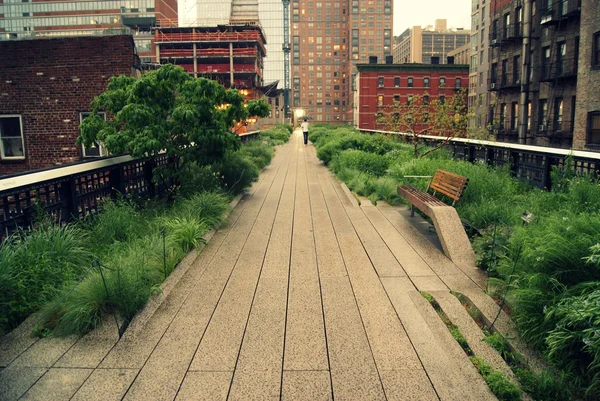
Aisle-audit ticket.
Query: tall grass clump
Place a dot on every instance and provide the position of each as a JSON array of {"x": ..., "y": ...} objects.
[
  {"x": 237, "y": 173},
  {"x": 209, "y": 208},
  {"x": 118, "y": 222},
  {"x": 256, "y": 151},
  {"x": 40, "y": 263},
  {"x": 277, "y": 135}
]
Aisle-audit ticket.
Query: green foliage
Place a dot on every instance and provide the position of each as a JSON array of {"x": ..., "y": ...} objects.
[
  {"x": 502, "y": 387},
  {"x": 277, "y": 135},
  {"x": 370, "y": 163},
  {"x": 119, "y": 221},
  {"x": 257, "y": 152},
  {"x": 185, "y": 232},
  {"x": 208, "y": 208},
  {"x": 237, "y": 173},
  {"x": 199, "y": 178},
  {"x": 168, "y": 110},
  {"x": 491, "y": 246},
  {"x": 36, "y": 265}
]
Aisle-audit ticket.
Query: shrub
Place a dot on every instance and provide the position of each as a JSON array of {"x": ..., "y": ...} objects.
[
  {"x": 277, "y": 135},
  {"x": 237, "y": 173},
  {"x": 369, "y": 163},
  {"x": 197, "y": 179},
  {"x": 258, "y": 152},
  {"x": 207, "y": 207},
  {"x": 185, "y": 232},
  {"x": 118, "y": 221},
  {"x": 491, "y": 246},
  {"x": 502, "y": 388}
]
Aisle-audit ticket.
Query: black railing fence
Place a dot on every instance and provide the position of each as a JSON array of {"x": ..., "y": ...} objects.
[
  {"x": 78, "y": 190},
  {"x": 532, "y": 164}
]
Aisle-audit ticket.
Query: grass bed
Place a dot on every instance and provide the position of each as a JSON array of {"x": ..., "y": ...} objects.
[{"x": 114, "y": 261}]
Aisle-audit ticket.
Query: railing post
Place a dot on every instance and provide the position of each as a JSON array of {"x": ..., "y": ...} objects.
[
  {"x": 148, "y": 174},
  {"x": 546, "y": 178},
  {"x": 514, "y": 162},
  {"x": 470, "y": 153},
  {"x": 69, "y": 198},
  {"x": 117, "y": 182},
  {"x": 489, "y": 156}
]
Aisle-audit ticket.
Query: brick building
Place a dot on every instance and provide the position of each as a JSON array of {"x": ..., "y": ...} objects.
[
  {"x": 535, "y": 53},
  {"x": 380, "y": 85},
  {"x": 46, "y": 86},
  {"x": 587, "y": 111}
]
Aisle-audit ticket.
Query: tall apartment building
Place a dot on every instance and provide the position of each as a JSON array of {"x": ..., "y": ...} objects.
[
  {"x": 22, "y": 19},
  {"x": 535, "y": 57},
  {"x": 328, "y": 39},
  {"x": 479, "y": 66},
  {"x": 418, "y": 45}
]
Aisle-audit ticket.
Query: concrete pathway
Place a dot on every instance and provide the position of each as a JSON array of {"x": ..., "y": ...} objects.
[{"x": 305, "y": 295}]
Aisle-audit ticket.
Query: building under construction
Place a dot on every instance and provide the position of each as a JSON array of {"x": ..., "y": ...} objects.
[
  {"x": 230, "y": 54},
  {"x": 534, "y": 48}
]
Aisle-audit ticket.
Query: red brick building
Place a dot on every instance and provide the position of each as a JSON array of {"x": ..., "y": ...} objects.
[
  {"x": 46, "y": 86},
  {"x": 378, "y": 86}
]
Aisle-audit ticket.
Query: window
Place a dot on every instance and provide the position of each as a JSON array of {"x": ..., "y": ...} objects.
[
  {"x": 457, "y": 82},
  {"x": 558, "y": 113},
  {"x": 505, "y": 26},
  {"x": 12, "y": 146},
  {"x": 426, "y": 82},
  {"x": 379, "y": 100},
  {"x": 528, "y": 116},
  {"x": 396, "y": 98},
  {"x": 410, "y": 82},
  {"x": 442, "y": 82},
  {"x": 514, "y": 122},
  {"x": 502, "y": 116},
  {"x": 397, "y": 82},
  {"x": 546, "y": 62},
  {"x": 596, "y": 51},
  {"x": 98, "y": 150},
  {"x": 517, "y": 70},
  {"x": 380, "y": 82},
  {"x": 543, "y": 112},
  {"x": 409, "y": 99},
  {"x": 442, "y": 99},
  {"x": 561, "y": 52},
  {"x": 593, "y": 128},
  {"x": 425, "y": 99}
]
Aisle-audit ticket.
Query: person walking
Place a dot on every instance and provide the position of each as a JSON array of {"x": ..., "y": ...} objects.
[{"x": 305, "y": 131}]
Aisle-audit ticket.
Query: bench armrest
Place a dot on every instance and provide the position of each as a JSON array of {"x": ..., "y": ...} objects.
[{"x": 417, "y": 176}]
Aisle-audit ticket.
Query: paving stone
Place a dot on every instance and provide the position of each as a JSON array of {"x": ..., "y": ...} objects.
[
  {"x": 412, "y": 263},
  {"x": 45, "y": 353},
  {"x": 16, "y": 380},
  {"x": 57, "y": 384},
  {"x": 106, "y": 385},
  {"x": 407, "y": 384},
  {"x": 256, "y": 385},
  {"x": 17, "y": 341},
  {"x": 89, "y": 351},
  {"x": 429, "y": 283},
  {"x": 306, "y": 385},
  {"x": 205, "y": 386}
]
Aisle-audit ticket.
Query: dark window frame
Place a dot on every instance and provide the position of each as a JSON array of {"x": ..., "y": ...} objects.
[
  {"x": 3, "y": 157},
  {"x": 592, "y": 115},
  {"x": 596, "y": 50}
]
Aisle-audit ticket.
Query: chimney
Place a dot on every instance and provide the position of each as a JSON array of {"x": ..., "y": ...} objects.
[
  {"x": 389, "y": 59},
  {"x": 435, "y": 60},
  {"x": 450, "y": 59},
  {"x": 372, "y": 59}
]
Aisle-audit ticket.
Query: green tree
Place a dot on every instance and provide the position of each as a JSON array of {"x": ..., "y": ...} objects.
[
  {"x": 167, "y": 110},
  {"x": 420, "y": 116}
]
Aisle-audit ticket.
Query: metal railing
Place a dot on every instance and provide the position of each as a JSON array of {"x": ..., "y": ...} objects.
[
  {"x": 78, "y": 190},
  {"x": 532, "y": 164}
]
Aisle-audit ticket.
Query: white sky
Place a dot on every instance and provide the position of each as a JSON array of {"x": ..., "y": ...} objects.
[{"x": 408, "y": 13}]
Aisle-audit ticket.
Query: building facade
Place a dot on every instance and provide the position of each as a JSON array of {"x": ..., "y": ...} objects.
[
  {"x": 478, "y": 68},
  {"x": 535, "y": 54},
  {"x": 51, "y": 18},
  {"x": 587, "y": 108},
  {"x": 46, "y": 86},
  {"x": 419, "y": 45},
  {"x": 381, "y": 85},
  {"x": 461, "y": 55},
  {"x": 328, "y": 39}
]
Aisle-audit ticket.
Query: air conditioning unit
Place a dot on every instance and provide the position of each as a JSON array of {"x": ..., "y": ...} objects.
[
  {"x": 493, "y": 85},
  {"x": 543, "y": 127},
  {"x": 494, "y": 42}
]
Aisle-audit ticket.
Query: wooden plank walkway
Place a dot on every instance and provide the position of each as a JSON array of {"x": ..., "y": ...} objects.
[{"x": 305, "y": 295}]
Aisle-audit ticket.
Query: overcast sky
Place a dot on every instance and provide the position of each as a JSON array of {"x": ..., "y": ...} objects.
[{"x": 408, "y": 13}]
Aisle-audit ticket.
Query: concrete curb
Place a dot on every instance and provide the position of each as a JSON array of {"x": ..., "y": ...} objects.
[{"x": 146, "y": 313}]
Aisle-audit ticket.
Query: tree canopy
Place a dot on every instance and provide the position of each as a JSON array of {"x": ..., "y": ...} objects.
[
  {"x": 168, "y": 110},
  {"x": 420, "y": 116}
]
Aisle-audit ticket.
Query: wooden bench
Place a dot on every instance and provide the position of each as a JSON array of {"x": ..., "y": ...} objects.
[
  {"x": 447, "y": 223},
  {"x": 444, "y": 182}
]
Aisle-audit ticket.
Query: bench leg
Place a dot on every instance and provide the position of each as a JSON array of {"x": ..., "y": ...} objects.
[{"x": 412, "y": 210}]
